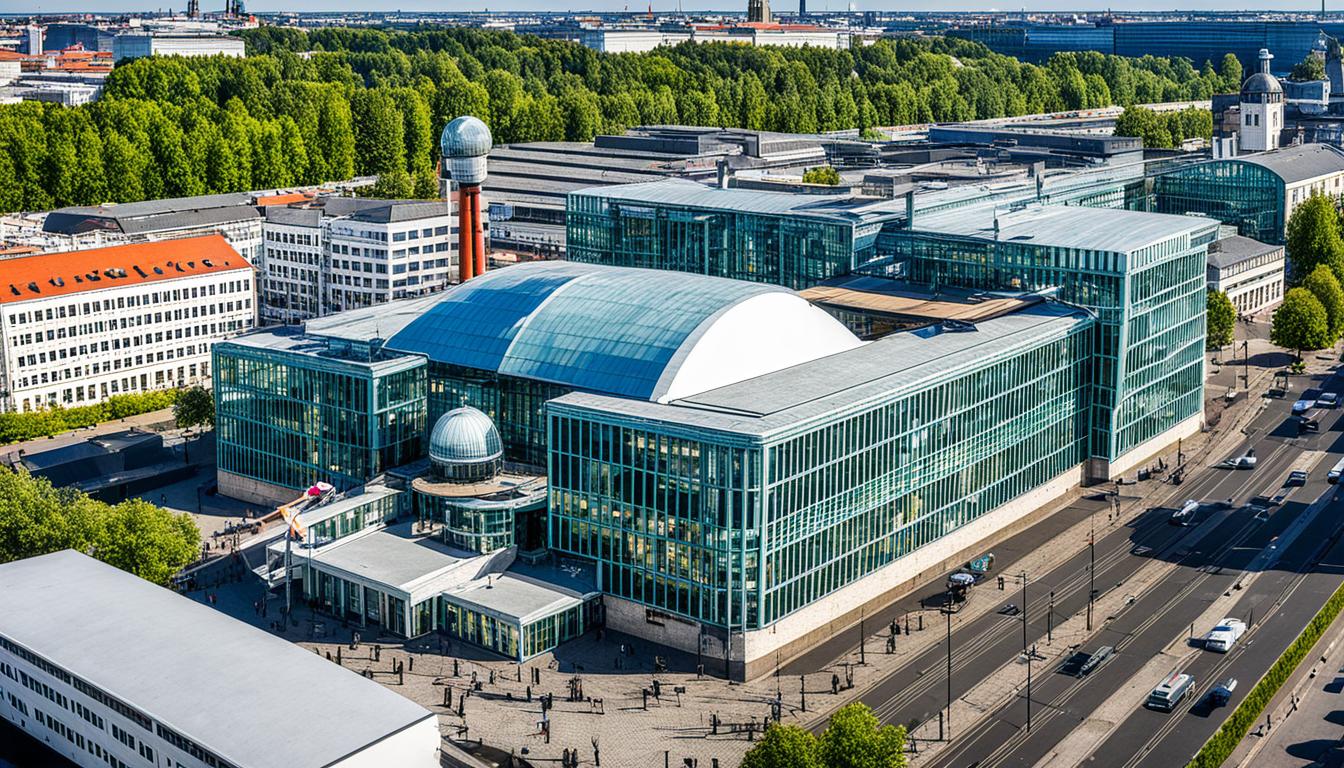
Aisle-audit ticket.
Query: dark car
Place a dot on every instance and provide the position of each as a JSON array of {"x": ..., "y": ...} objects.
[
  {"x": 1222, "y": 693},
  {"x": 1296, "y": 477}
]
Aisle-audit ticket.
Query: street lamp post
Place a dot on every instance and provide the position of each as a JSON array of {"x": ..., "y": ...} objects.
[
  {"x": 1050, "y": 621},
  {"x": 1031, "y": 653},
  {"x": 948, "y": 611}
]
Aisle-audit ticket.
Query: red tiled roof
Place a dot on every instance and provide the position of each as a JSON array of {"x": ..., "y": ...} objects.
[
  {"x": 14, "y": 56},
  {"x": 59, "y": 274},
  {"x": 292, "y": 197}
]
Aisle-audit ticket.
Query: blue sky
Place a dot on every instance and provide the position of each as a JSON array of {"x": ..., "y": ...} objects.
[{"x": 107, "y": 6}]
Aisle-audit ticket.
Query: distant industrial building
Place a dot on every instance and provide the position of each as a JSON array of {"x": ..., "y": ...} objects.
[
  {"x": 1196, "y": 40},
  {"x": 107, "y": 669},
  {"x": 130, "y": 45},
  {"x": 1251, "y": 273},
  {"x": 78, "y": 327}
]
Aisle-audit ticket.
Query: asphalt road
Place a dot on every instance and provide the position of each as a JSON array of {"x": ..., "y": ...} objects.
[{"x": 1060, "y": 700}]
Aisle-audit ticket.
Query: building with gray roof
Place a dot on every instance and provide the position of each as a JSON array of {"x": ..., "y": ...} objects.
[
  {"x": 89, "y": 651},
  {"x": 1250, "y": 272},
  {"x": 232, "y": 215}
]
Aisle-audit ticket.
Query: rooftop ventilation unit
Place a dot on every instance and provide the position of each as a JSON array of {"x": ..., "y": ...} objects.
[
  {"x": 158, "y": 270},
  {"x": 140, "y": 271},
  {"x": 14, "y": 290},
  {"x": 207, "y": 263},
  {"x": 32, "y": 286},
  {"x": 79, "y": 279},
  {"x": 59, "y": 281}
]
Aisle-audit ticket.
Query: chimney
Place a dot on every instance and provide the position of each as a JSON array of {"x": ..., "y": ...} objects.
[
  {"x": 910, "y": 209},
  {"x": 722, "y": 168}
]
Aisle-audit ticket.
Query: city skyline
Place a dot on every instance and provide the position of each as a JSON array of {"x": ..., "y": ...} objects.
[{"x": 665, "y": 6}]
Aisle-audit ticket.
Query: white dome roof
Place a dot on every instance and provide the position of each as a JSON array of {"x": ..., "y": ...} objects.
[{"x": 465, "y": 136}]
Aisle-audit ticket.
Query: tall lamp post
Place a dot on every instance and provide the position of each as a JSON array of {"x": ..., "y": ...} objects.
[{"x": 948, "y": 611}]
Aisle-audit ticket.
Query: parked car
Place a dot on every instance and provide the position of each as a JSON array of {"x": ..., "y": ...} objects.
[
  {"x": 1296, "y": 477},
  {"x": 1222, "y": 693},
  {"x": 1302, "y": 406},
  {"x": 1327, "y": 400},
  {"x": 1222, "y": 637},
  {"x": 1240, "y": 462}
]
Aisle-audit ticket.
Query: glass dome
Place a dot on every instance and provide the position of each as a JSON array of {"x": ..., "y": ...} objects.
[
  {"x": 465, "y": 136},
  {"x": 464, "y": 447}
]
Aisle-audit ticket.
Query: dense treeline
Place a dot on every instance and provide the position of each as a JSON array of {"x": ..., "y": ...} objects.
[
  {"x": 1165, "y": 130},
  {"x": 305, "y": 107}
]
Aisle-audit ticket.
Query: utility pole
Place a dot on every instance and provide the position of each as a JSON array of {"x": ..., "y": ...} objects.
[
  {"x": 948, "y": 611},
  {"x": 862, "y": 659},
  {"x": 1050, "y": 621},
  {"x": 1091, "y": 576},
  {"x": 1246, "y": 361},
  {"x": 1029, "y": 655},
  {"x": 1024, "y": 611}
]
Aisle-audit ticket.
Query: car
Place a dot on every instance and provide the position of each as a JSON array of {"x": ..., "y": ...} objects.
[
  {"x": 1295, "y": 478},
  {"x": 1327, "y": 400},
  {"x": 1222, "y": 637},
  {"x": 1096, "y": 660},
  {"x": 1222, "y": 693},
  {"x": 1302, "y": 406},
  {"x": 1240, "y": 462}
]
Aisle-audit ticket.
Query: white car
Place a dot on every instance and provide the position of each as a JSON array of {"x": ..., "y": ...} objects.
[
  {"x": 1327, "y": 400},
  {"x": 1222, "y": 637},
  {"x": 1302, "y": 406}
]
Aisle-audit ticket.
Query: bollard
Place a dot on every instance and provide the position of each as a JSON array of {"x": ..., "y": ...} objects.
[{"x": 921, "y": 622}]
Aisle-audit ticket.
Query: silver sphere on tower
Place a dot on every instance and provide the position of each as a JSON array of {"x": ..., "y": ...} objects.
[{"x": 465, "y": 143}]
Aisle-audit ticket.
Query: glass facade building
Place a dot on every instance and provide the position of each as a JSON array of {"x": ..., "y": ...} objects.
[
  {"x": 291, "y": 411},
  {"x": 769, "y": 237},
  {"x": 738, "y": 518},
  {"x": 1142, "y": 275},
  {"x": 1243, "y": 194}
]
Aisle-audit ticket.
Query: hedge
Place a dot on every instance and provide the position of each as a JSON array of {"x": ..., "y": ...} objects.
[
  {"x": 16, "y": 427},
  {"x": 1219, "y": 747}
]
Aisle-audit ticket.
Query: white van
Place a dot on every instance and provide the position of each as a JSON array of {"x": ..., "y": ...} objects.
[
  {"x": 1222, "y": 637},
  {"x": 1170, "y": 691},
  {"x": 1335, "y": 473}
]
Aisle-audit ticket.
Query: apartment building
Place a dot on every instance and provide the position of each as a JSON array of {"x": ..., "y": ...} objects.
[{"x": 80, "y": 326}]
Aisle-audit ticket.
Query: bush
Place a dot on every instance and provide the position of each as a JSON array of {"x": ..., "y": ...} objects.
[
  {"x": 16, "y": 427},
  {"x": 1219, "y": 747}
]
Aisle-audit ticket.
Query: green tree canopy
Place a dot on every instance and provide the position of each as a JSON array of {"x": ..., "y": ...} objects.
[
  {"x": 822, "y": 175},
  {"x": 784, "y": 746},
  {"x": 1300, "y": 323},
  {"x": 855, "y": 739},
  {"x": 135, "y": 536},
  {"x": 1310, "y": 68},
  {"x": 1313, "y": 238},
  {"x": 195, "y": 406},
  {"x": 372, "y": 101},
  {"x": 1325, "y": 287},
  {"x": 1222, "y": 319}
]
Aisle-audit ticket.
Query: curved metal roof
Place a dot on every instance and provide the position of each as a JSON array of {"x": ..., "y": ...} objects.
[
  {"x": 1261, "y": 83},
  {"x": 614, "y": 330}
]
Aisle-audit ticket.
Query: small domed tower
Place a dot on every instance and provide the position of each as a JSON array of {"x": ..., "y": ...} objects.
[
  {"x": 464, "y": 447},
  {"x": 1261, "y": 109},
  {"x": 465, "y": 145}
]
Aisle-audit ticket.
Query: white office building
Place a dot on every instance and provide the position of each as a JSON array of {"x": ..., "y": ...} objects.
[
  {"x": 343, "y": 253},
  {"x": 1248, "y": 271},
  {"x": 81, "y": 326},
  {"x": 109, "y": 670}
]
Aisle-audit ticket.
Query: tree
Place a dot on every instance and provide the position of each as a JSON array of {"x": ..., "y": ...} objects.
[
  {"x": 1310, "y": 68},
  {"x": 1325, "y": 287},
  {"x": 1300, "y": 323},
  {"x": 1231, "y": 72},
  {"x": 822, "y": 175},
  {"x": 855, "y": 739},
  {"x": 784, "y": 746},
  {"x": 147, "y": 540},
  {"x": 195, "y": 406},
  {"x": 1312, "y": 237},
  {"x": 136, "y": 536},
  {"x": 1222, "y": 318},
  {"x": 1146, "y": 124}
]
